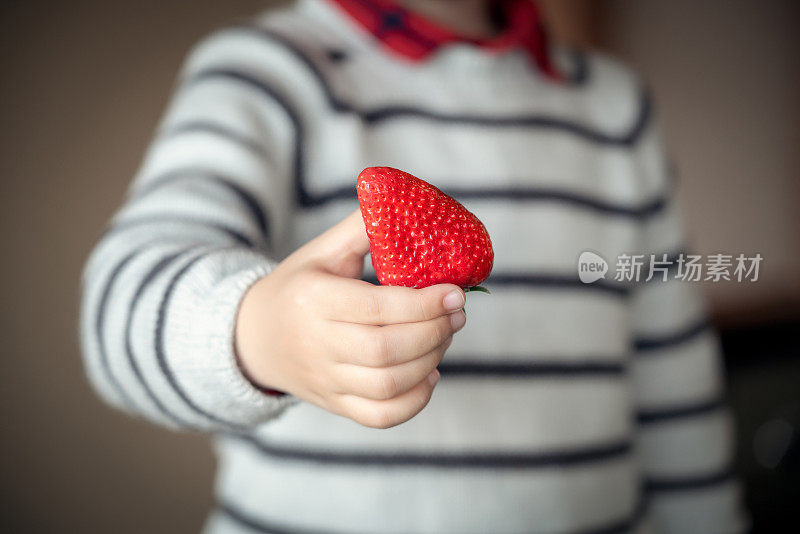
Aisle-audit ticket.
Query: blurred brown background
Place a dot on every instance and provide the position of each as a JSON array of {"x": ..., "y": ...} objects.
[{"x": 84, "y": 83}]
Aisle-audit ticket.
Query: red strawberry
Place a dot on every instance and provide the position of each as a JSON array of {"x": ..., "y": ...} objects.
[{"x": 419, "y": 236}]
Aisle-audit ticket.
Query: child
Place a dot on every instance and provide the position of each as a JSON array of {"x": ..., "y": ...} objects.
[{"x": 563, "y": 407}]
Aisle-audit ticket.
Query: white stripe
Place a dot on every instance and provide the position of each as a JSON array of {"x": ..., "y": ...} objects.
[
  {"x": 193, "y": 197},
  {"x": 569, "y": 412},
  {"x": 669, "y": 449},
  {"x": 457, "y": 155},
  {"x": 219, "y": 98},
  {"x": 688, "y": 372},
  {"x": 664, "y": 308},
  {"x": 713, "y": 510},
  {"x": 526, "y": 236}
]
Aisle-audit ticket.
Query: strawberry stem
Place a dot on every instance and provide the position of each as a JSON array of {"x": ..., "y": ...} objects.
[{"x": 477, "y": 288}]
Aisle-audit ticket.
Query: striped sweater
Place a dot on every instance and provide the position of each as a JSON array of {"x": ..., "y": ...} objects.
[{"x": 563, "y": 407}]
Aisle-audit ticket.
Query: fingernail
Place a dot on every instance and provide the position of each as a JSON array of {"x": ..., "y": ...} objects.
[
  {"x": 457, "y": 320},
  {"x": 433, "y": 378},
  {"x": 454, "y": 300}
]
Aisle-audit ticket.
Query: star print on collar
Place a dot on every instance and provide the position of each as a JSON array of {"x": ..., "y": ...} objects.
[{"x": 415, "y": 38}]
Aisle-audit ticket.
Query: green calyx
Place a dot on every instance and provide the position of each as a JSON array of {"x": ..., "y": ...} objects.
[{"x": 477, "y": 288}]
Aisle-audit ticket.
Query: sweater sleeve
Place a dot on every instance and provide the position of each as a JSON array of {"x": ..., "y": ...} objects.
[
  {"x": 685, "y": 429},
  {"x": 202, "y": 222}
]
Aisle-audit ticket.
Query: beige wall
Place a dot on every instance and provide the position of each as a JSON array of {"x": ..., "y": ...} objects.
[
  {"x": 726, "y": 79},
  {"x": 83, "y": 85}
]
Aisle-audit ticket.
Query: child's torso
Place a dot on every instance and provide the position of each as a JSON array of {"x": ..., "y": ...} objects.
[{"x": 533, "y": 414}]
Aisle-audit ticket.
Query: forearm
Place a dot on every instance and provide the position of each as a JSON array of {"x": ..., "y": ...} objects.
[
  {"x": 159, "y": 307},
  {"x": 163, "y": 285}
]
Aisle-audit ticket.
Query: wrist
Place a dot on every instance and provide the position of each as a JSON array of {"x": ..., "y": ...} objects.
[
  {"x": 253, "y": 382},
  {"x": 248, "y": 352}
]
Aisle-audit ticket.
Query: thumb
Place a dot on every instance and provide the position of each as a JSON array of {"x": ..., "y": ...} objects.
[{"x": 341, "y": 249}]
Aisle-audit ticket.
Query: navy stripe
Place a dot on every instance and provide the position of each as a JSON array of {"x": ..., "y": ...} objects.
[
  {"x": 626, "y": 524},
  {"x": 563, "y": 457},
  {"x": 651, "y": 485},
  {"x": 689, "y": 483},
  {"x": 513, "y": 369},
  {"x": 99, "y": 326},
  {"x": 546, "y": 281},
  {"x": 161, "y": 349},
  {"x": 343, "y": 193},
  {"x": 519, "y": 194},
  {"x": 478, "y": 460},
  {"x": 652, "y": 343},
  {"x": 260, "y": 524},
  {"x": 542, "y": 122},
  {"x": 148, "y": 278},
  {"x": 236, "y": 235},
  {"x": 207, "y": 126},
  {"x": 572, "y": 282},
  {"x": 298, "y": 130},
  {"x": 678, "y": 412},
  {"x": 254, "y": 207},
  {"x": 306, "y": 199},
  {"x": 391, "y": 112}
]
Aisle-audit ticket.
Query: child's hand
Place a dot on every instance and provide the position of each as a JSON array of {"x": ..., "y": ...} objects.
[{"x": 362, "y": 351}]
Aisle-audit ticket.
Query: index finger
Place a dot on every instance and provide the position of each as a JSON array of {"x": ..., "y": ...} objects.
[{"x": 357, "y": 301}]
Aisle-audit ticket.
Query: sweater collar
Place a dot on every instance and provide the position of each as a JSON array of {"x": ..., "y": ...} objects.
[{"x": 416, "y": 38}]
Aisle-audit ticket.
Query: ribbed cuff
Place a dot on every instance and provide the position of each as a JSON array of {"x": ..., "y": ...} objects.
[{"x": 200, "y": 340}]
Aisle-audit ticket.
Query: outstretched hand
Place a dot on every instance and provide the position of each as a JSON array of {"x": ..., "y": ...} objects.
[{"x": 311, "y": 328}]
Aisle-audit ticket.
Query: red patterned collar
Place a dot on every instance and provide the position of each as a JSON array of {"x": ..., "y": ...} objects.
[{"x": 416, "y": 38}]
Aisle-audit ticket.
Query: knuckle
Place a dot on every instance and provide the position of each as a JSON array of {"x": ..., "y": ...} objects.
[
  {"x": 385, "y": 385},
  {"x": 380, "y": 351},
  {"x": 372, "y": 308},
  {"x": 424, "y": 310}
]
